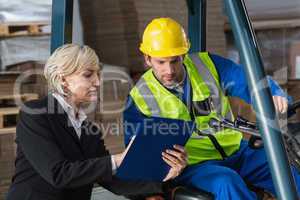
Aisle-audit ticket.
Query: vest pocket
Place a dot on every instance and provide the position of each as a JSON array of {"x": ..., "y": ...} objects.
[{"x": 202, "y": 108}]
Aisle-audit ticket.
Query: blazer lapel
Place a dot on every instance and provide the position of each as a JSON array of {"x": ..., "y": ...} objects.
[{"x": 60, "y": 117}]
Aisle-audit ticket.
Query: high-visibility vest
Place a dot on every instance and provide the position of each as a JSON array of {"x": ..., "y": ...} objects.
[{"x": 153, "y": 99}]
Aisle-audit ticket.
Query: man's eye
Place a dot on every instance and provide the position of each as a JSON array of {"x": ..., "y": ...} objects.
[
  {"x": 174, "y": 61},
  {"x": 161, "y": 62}
]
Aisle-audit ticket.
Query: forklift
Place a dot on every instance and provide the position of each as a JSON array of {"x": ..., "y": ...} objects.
[{"x": 245, "y": 40}]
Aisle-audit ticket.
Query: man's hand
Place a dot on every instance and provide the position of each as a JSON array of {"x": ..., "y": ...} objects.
[
  {"x": 176, "y": 159},
  {"x": 281, "y": 104}
]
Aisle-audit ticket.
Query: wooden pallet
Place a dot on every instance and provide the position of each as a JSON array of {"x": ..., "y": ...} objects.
[
  {"x": 8, "y": 130},
  {"x": 3, "y": 113},
  {"x": 22, "y": 29},
  {"x": 24, "y": 97}
]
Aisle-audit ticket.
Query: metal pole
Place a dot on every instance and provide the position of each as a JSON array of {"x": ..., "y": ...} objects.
[
  {"x": 197, "y": 25},
  {"x": 61, "y": 24},
  {"x": 265, "y": 112}
]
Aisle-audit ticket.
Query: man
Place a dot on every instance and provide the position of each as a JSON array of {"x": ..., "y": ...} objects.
[{"x": 195, "y": 87}]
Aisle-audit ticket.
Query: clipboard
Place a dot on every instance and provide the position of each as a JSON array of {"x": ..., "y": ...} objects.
[{"x": 143, "y": 161}]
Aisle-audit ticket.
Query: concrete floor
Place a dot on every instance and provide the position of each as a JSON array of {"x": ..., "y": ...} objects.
[{"x": 100, "y": 193}]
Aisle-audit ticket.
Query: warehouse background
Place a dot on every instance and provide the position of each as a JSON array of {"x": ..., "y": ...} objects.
[{"x": 114, "y": 29}]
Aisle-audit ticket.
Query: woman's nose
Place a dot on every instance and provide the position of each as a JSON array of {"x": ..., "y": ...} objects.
[{"x": 96, "y": 81}]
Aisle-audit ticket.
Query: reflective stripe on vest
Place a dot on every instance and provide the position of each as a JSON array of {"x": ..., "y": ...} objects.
[
  {"x": 149, "y": 98},
  {"x": 215, "y": 90}
]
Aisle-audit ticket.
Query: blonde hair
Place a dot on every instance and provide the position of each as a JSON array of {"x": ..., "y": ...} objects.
[{"x": 66, "y": 60}]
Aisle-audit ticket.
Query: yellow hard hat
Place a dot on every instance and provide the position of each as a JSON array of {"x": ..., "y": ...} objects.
[{"x": 164, "y": 37}]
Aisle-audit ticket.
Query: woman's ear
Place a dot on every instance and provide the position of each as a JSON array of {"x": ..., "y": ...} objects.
[{"x": 64, "y": 84}]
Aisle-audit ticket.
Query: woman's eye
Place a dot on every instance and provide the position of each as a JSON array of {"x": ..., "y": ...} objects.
[{"x": 87, "y": 75}]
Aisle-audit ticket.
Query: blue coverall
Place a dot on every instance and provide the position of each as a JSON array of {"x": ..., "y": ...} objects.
[{"x": 226, "y": 179}]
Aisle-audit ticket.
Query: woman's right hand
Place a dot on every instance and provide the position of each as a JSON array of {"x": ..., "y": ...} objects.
[{"x": 118, "y": 158}]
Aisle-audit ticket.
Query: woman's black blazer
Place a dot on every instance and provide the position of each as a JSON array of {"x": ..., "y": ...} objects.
[{"x": 53, "y": 163}]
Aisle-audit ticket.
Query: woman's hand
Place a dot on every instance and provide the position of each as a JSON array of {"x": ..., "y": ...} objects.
[
  {"x": 118, "y": 158},
  {"x": 176, "y": 159}
]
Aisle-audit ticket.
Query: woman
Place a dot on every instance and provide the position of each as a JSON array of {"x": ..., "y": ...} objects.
[{"x": 60, "y": 155}]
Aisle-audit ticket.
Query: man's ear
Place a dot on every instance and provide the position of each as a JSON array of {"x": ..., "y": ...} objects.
[{"x": 148, "y": 60}]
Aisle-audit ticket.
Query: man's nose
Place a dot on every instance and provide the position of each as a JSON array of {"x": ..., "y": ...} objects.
[{"x": 169, "y": 68}]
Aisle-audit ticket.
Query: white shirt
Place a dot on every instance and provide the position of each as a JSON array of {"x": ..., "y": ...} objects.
[{"x": 77, "y": 121}]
